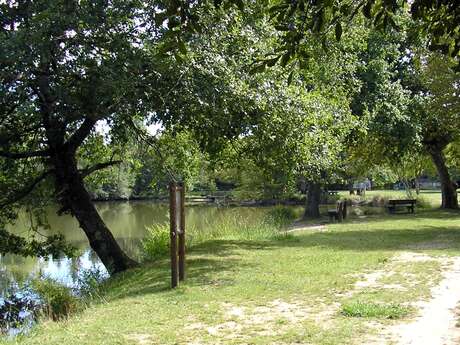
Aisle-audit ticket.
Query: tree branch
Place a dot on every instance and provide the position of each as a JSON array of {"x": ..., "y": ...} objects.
[
  {"x": 81, "y": 133},
  {"x": 20, "y": 194},
  {"x": 89, "y": 170},
  {"x": 21, "y": 155}
]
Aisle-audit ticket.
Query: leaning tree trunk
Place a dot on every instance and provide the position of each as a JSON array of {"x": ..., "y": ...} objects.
[
  {"x": 74, "y": 198},
  {"x": 313, "y": 200},
  {"x": 448, "y": 187}
]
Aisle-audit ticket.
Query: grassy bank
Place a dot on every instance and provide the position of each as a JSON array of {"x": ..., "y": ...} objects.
[{"x": 315, "y": 287}]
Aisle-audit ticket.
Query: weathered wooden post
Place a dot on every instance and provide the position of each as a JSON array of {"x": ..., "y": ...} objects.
[
  {"x": 177, "y": 232},
  {"x": 181, "y": 228},
  {"x": 173, "y": 233}
]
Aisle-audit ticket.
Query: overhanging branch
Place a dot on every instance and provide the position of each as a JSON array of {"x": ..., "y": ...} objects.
[
  {"x": 81, "y": 133},
  {"x": 22, "y": 193},
  {"x": 89, "y": 170},
  {"x": 22, "y": 155}
]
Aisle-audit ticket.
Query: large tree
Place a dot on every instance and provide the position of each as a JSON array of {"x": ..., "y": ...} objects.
[
  {"x": 65, "y": 66},
  {"x": 70, "y": 67},
  {"x": 439, "y": 114}
]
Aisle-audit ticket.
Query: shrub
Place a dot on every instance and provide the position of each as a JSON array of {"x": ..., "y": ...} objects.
[
  {"x": 156, "y": 243},
  {"x": 89, "y": 282},
  {"x": 423, "y": 202},
  {"x": 58, "y": 300},
  {"x": 386, "y": 311},
  {"x": 18, "y": 308}
]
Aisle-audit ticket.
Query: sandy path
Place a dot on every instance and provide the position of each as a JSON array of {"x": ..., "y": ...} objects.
[
  {"x": 436, "y": 324},
  {"x": 306, "y": 227}
]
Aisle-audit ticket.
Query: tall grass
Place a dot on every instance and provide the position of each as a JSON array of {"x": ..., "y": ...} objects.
[
  {"x": 233, "y": 227},
  {"x": 58, "y": 300}
]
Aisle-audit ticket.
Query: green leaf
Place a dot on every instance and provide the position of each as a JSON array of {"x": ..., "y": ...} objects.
[
  {"x": 289, "y": 80},
  {"x": 257, "y": 68},
  {"x": 182, "y": 47},
  {"x": 272, "y": 62},
  {"x": 367, "y": 9},
  {"x": 285, "y": 59},
  {"x": 240, "y": 4}
]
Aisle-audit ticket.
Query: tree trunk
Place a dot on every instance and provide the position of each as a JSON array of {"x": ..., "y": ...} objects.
[
  {"x": 448, "y": 187},
  {"x": 417, "y": 185},
  {"x": 74, "y": 197},
  {"x": 313, "y": 200},
  {"x": 350, "y": 187}
]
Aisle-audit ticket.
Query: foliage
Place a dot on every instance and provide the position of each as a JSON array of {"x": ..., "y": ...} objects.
[
  {"x": 301, "y": 22},
  {"x": 17, "y": 307},
  {"x": 89, "y": 283},
  {"x": 52, "y": 245},
  {"x": 173, "y": 156}
]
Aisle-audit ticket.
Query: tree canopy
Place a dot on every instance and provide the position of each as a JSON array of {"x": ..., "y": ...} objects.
[{"x": 289, "y": 86}]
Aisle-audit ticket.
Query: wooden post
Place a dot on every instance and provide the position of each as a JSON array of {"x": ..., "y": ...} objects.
[
  {"x": 173, "y": 233},
  {"x": 182, "y": 234}
]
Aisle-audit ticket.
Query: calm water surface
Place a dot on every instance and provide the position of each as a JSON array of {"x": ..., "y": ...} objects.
[{"x": 128, "y": 222}]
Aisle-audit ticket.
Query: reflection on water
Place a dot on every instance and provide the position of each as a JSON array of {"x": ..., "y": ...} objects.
[{"x": 126, "y": 220}]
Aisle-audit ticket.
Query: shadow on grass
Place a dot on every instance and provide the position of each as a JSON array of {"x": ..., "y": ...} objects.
[
  {"x": 202, "y": 265},
  {"x": 226, "y": 256}
]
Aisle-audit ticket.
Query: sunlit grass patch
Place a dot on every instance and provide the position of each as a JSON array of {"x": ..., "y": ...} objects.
[{"x": 375, "y": 310}]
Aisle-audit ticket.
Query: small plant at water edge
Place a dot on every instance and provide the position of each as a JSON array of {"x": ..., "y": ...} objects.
[
  {"x": 58, "y": 300},
  {"x": 156, "y": 243},
  {"x": 89, "y": 282}
]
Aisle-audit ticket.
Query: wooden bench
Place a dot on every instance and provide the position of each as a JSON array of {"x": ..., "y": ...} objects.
[
  {"x": 408, "y": 203},
  {"x": 340, "y": 212}
]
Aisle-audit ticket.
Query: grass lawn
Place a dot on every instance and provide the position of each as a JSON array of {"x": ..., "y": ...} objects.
[{"x": 311, "y": 287}]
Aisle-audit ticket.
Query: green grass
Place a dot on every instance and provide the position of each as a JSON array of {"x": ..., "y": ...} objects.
[
  {"x": 283, "y": 290},
  {"x": 374, "y": 310}
]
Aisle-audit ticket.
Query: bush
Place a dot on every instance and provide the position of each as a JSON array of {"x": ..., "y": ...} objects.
[
  {"x": 156, "y": 243},
  {"x": 18, "y": 308},
  {"x": 58, "y": 300},
  {"x": 89, "y": 282},
  {"x": 423, "y": 202}
]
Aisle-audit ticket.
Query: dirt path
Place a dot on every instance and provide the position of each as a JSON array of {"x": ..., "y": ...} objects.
[
  {"x": 299, "y": 226},
  {"x": 437, "y": 323}
]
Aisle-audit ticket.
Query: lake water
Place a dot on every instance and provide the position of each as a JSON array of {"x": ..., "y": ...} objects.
[{"x": 128, "y": 222}]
